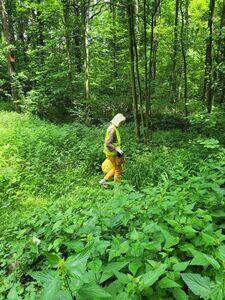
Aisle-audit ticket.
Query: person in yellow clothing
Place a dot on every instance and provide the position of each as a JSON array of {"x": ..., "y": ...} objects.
[{"x": 112, "y": 149}]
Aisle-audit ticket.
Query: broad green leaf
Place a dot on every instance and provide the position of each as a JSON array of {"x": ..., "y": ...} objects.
[
  {"x": 150, "y": 228},
  {"x": 218, "y": 292},
  {"x": 149, "y": 278},
  {"x": 188, "y": 230},
  {"x": 166, "y": 283},
  {"x": 114, "y": 287},
  {"x": 70, "y": 229},
  {"x": 95, "y": 265},
  {"x": 170, "y": 240},
  {"x": 208, "y": 240},
  {"x": 79, "y": 260},
  {"x": 75, "y": 245},
  {"x": 63, "y": 295},
  {"x": 179, "y": 294},
  {"x": 43, "y": 276},
  {"x": 180, "y": 267},
  {"x": 220, "y": 253},
  {"x": 92, "y": 290},
  {"x": 134, "y": 235},
  {"x": 154, "y": 246},
  {"x": 118, "y": 248},
  {"x": 51, "y": 289},
  {"x": 52, "y": 258},
  {"x": 134, "y": 266},
  {"x": 200, "y": 286},
  {"x": 12, "y": 295},
  {"x": 202, "y": 259},
  {"x": 110, "y": 269},
  {"x": 57, "y": 225},
  {"x": 122, "y": 277}
]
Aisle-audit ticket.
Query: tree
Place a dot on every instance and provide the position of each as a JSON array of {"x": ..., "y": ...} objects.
[
  {"x": 220, "y": 58},
  {"x": 9, "y": 38},
  {"x": 152, "y": 58},
  {"x": 133, "y": 54},
  {"x": 183, "y": 39},
  {"x": 67, "y": 24},
  {"x": 85, "y": 22},
  {"x": 208, "y": 81},
  {"x": 174, "y": 58}
]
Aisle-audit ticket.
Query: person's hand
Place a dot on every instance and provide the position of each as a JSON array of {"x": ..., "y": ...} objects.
[{"x": 119, "y": 152}]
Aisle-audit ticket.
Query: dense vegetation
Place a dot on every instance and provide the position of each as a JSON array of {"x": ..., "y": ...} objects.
[
  {"x": 66, "y": 68},
  {"x": 85, "y": 59},
  {"x": 157, "y": 235}
]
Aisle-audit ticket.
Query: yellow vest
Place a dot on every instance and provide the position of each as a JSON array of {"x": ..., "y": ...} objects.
[{"x": 117, "y": 144}]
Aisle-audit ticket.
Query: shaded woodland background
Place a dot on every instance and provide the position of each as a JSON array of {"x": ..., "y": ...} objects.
[{"x": 86, "y": 60}]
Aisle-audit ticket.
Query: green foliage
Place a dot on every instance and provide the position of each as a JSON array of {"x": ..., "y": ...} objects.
[
  {"x": 47, "y": 39},
  {"x": 63, "y": 237}
]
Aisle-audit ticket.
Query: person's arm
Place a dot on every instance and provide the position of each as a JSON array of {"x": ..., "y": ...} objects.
[{"x": 111, "y": 138}]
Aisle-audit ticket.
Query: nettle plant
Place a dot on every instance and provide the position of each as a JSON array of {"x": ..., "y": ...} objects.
[
  {"x": 67, "y": 239},
  {"x": 164, "y": 241}
]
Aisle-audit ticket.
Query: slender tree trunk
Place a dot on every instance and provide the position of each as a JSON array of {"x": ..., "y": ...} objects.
[
  {"x": 220, "y": 74},
  {"x": 208, "y": 81},
  {"x": 132, "y": 68},
  {"x": 114, "y": 40},
  {"x": 66, "y": 14},
  {"x": 10, "y": 63},
  {"x": 175, "y": 45},
  {"x": 77, "y": 36},
  {"x": 134, "y": 32},
  {"x": 85, "y": 21},
  {"x": 146, "y": 62},
  {"x": 183, "y": 39},
  {"x": 151, "y": 61}
]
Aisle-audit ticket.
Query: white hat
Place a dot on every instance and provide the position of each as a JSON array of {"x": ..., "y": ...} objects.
[{"x": 118, "y": 119}]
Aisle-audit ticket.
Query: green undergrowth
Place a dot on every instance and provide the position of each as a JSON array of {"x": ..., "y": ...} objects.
[{"x": 157, "y": 235}]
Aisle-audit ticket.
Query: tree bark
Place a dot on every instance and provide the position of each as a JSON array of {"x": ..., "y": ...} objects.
[
  {"x": 132, "y": 69},
  {"x": 10, "y": 64},
  {"x": 175, "y": 45},
  {"x": 151, "y": 62},
  {"x": 114, "y": 39},
  {"x": 66, "y": 14},
  {"x": 208, "y": 81},
  {"x": 220, "y": 74},
  {"x": 134, "y": 32},
  {"x": 77, "y": 36},
  {"x": 85, "y": 22},
  {"x": 183, "y": 39}
]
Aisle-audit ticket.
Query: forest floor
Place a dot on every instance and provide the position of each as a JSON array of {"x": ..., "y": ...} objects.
[{"x": 157, "y": 235}]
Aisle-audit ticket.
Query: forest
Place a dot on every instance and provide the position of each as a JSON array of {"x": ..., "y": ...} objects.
[{"x": 67, "y": 67}]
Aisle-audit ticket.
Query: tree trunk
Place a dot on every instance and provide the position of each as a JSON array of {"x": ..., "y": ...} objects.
[
  {"x": 66, "y": 14},
  {"x": 220, "y": 74},
  {"x": 151, "y": 62},
  {"x": 145, "y": 61},
  {"x": 85, "y": 21},
  {"x": 134, "y": 33},
  {"x": 175, "y": 44},
  {"x": 114, "y": 40},
  {"x": 10, "y": 63},
  {"x": 77, "y": 36},
  {"x": 132, "y": 68},
  {"x": 208, "y": 81},
  {"x": 183, "y": 39}
]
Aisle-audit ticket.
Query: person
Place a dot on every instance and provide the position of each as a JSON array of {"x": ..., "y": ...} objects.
[{"x": 112, "y": 149}]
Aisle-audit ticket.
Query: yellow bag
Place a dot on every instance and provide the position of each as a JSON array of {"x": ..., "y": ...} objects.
[{"x": 106, "y": 166}]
